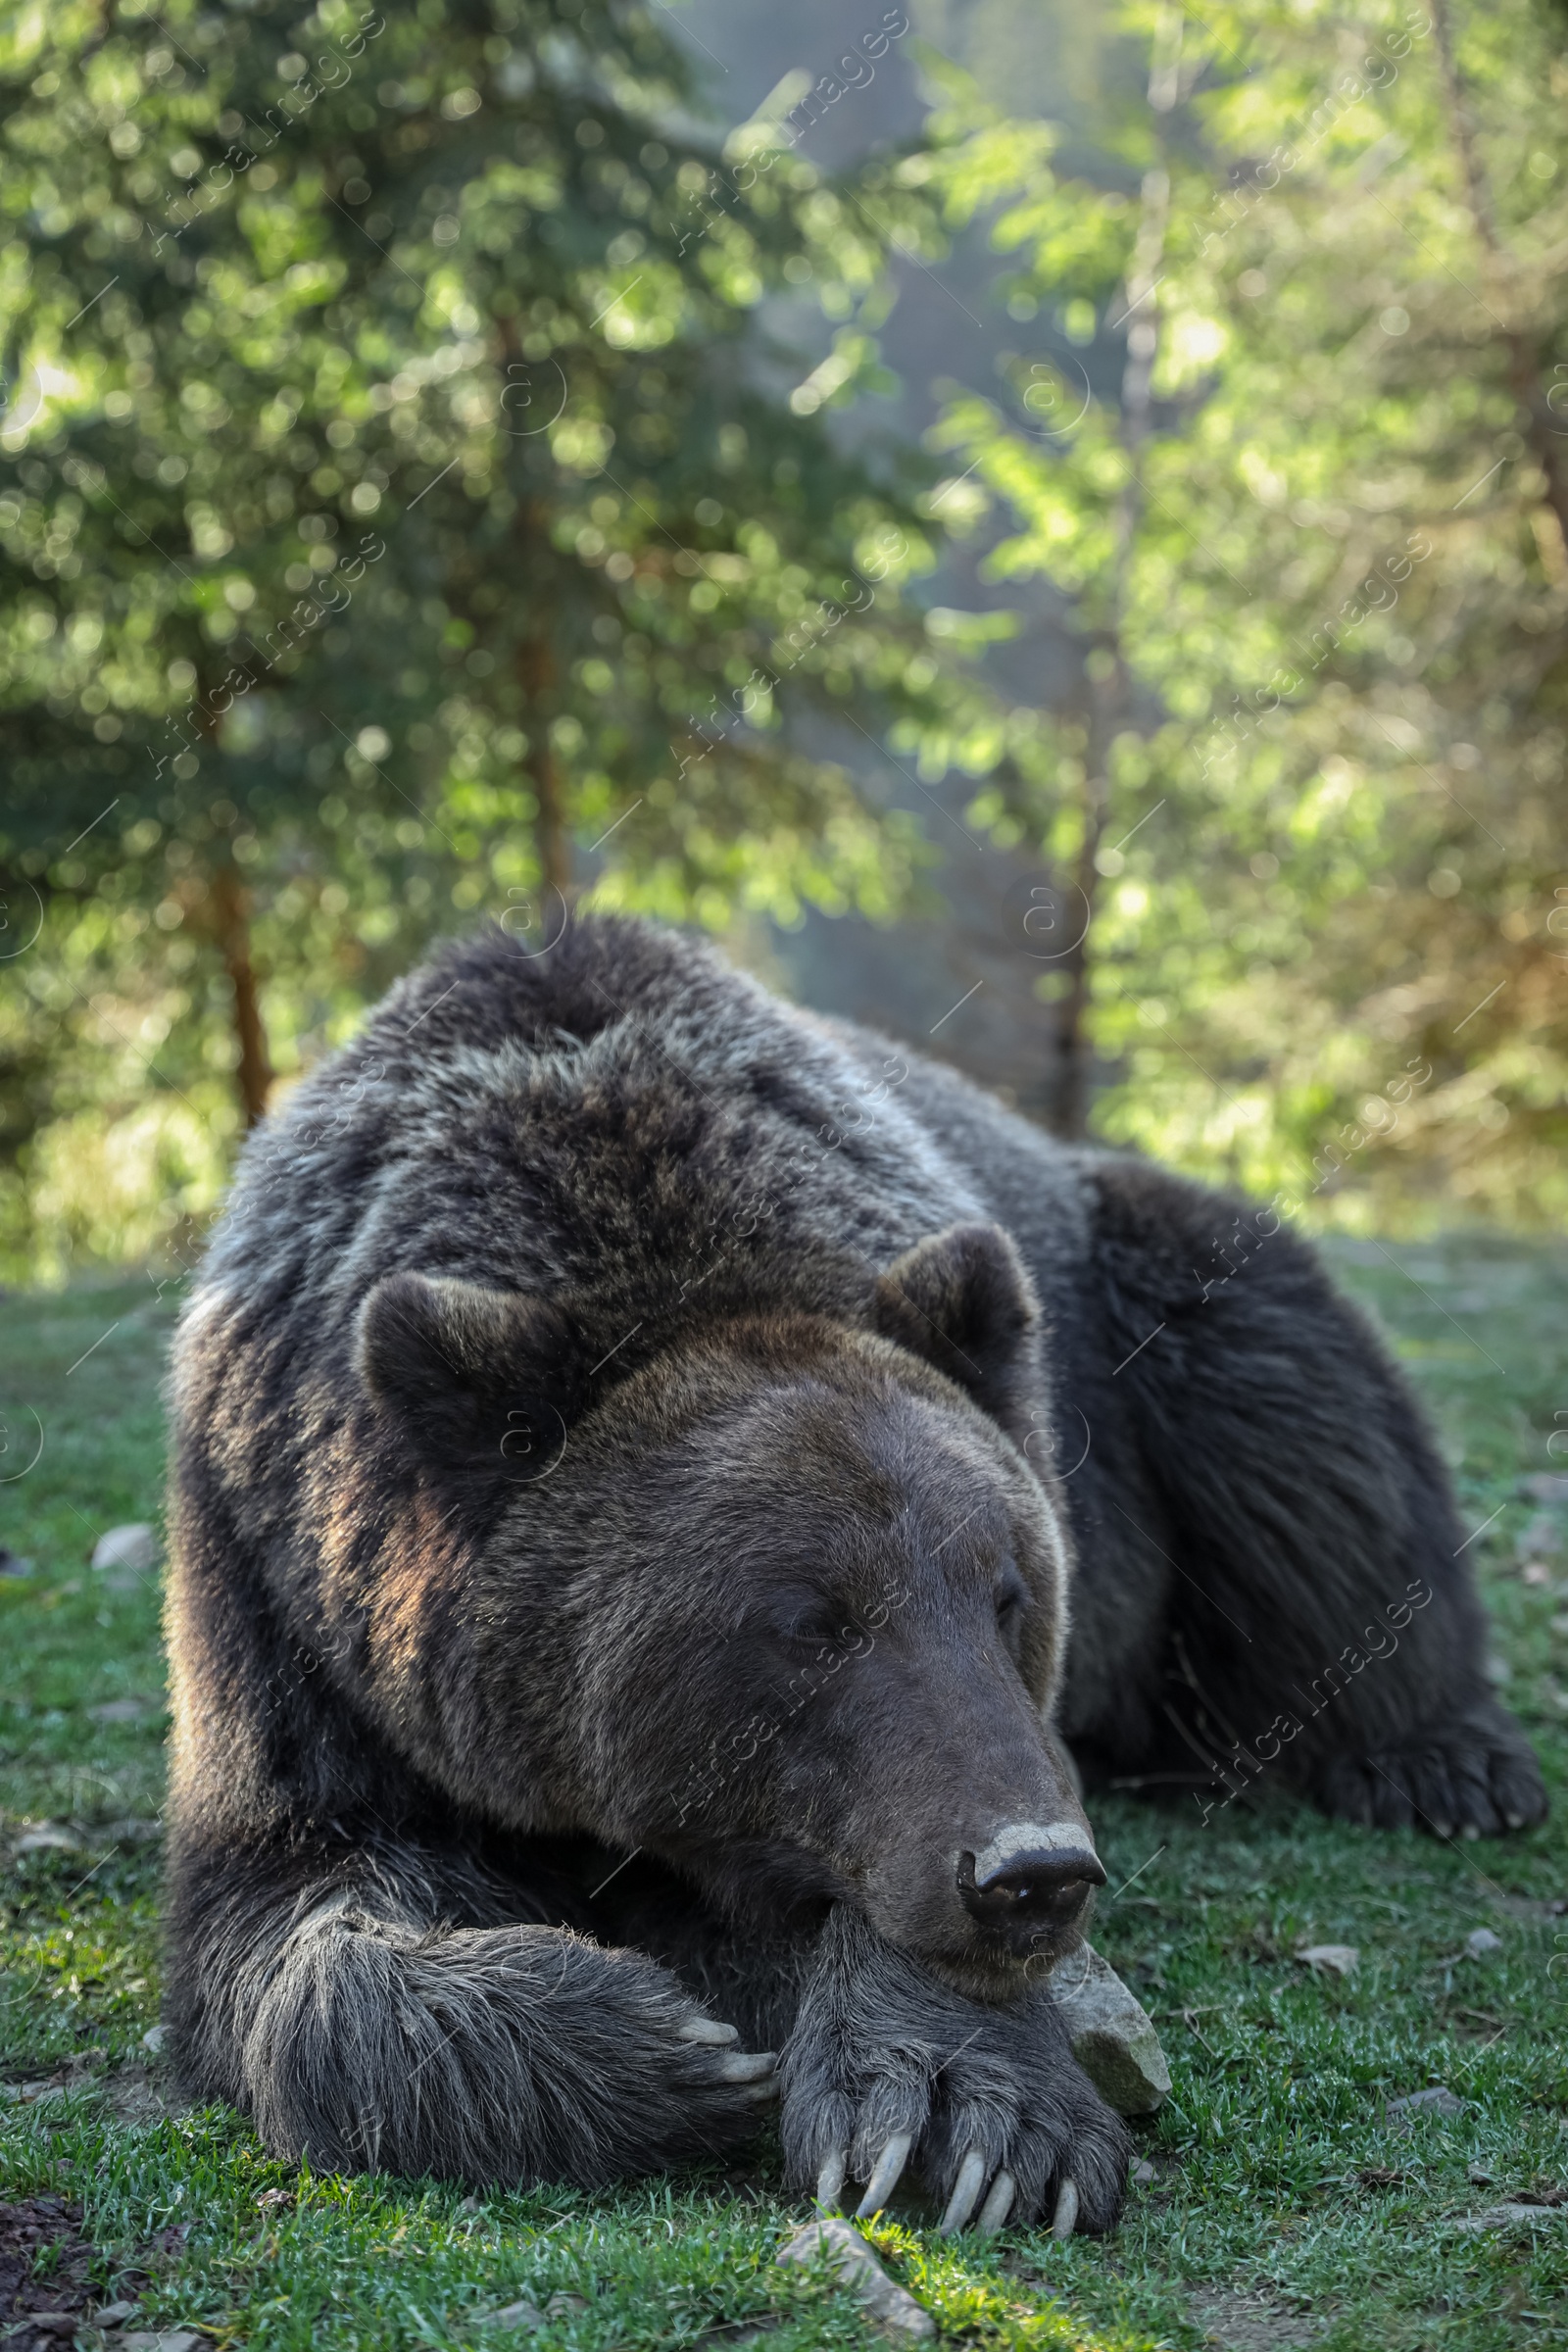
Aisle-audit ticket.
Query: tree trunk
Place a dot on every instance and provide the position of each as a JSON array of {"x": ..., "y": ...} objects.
[
  {"x": 1110, "y": 701},
  {"x": 1075, "y": 1051},
  {"x": 536, "y": 674},
  {"x": 1525, "y": 379},
  {"x": 230, "y": 912}
]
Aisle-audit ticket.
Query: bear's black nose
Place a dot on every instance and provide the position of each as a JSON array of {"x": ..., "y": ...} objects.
[{"x": 1025, "y": 1892}]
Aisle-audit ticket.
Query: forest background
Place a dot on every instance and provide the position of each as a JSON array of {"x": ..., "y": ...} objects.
[{"x": 1047, "y": 532}]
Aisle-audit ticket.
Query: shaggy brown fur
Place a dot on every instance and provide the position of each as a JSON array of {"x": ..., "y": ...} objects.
[{"x": 627, "y": 1499}]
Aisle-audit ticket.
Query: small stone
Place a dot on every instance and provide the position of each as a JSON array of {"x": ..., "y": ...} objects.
[
  {"x": 114, "y": 2314},
  {"x": 1144, "y": 2172},
  {"x": 154, "y": 2039},
  {"x": 134, "y": 1548},
  {"x": 523, "y": 2314},
  {"x": 561, "y": 2307},
  {"x": 270, "y": 2200},
  {"x": 1535, "y": 1572},
  {"x": 168, "y": 2339},
  {"x": 1544, "y": 1487},
  {"x": 1112, "y": 2035},
  {"x": 1338, "y": 1959},
  {"x": 1438, "y": 2100},
  {"x": 1510, "y": 2217},
  {"x": 1482, "y": 1940},
  {"x": 48, "y": 1836},
  {"x": 847, "y": 2252}
]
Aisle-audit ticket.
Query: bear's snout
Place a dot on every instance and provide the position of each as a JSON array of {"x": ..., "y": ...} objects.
[{"x": 1029, "y": 1884}]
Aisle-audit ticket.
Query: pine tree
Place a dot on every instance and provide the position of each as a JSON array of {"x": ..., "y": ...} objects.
[{"x": 404, "y": 513}]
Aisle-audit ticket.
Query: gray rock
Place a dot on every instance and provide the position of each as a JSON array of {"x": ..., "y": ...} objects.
[
  {"x": 48, "y": 1836},
  {"x": 1112, "y": 2035},
  {"x": 134, "y": 1548},
  {"x": 1482, "y": 1940},
  {"x": 1546, "y": 1487},
  {"x": 1440, "y": 2100},
  {"x": 1513, "y": 2217},
  {"x": 521, "y": 2313},
  {"x": 1337, "y": 1959},
  {"x": 857, "y": 2267}
]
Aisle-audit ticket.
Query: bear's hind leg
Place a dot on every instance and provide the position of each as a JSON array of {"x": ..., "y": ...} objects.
[
  {"x": 1322, "y": 1616},
  {"x": 366, "y": 2036},
  {"x": 1474, "y": 1773}
]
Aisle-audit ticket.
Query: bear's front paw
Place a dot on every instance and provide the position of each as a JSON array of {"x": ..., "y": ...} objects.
[{"x": 885, "y": 2065}]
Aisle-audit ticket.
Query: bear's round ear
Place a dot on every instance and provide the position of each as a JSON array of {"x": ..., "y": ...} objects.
[
  {"x": 478, "y": 1378},
  {"x": 963, "y": 1300}
]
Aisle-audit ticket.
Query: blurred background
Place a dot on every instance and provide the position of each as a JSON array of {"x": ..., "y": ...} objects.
[{"x": 1044, "y": 528}]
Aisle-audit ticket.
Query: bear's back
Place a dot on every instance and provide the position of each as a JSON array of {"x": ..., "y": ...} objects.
[{"x": 623, "y": 1116}]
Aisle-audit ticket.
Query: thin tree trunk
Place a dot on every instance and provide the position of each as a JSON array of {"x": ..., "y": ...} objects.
[
  {"x": 1110, "y": 698},
  {"x": 227, "y": 916},
  {"x": 1525, "y": 378},
  {"x": 536, "y": 675},
  {"x": 1076, "y": 1048},
  {"x": 230, "y": 915}
]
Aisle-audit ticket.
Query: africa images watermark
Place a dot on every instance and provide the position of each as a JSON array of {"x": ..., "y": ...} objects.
[
  {"x": 855, "y": 70},
  {"x": 214, "y": 182},
  {"x": 1248, "y": 1762},
  {"x": 283, "y": 638},
  {"x": 1228, "y": 731},
  {"x": 1380, "y": 69}
]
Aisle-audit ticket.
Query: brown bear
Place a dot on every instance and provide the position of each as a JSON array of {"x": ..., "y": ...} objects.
[{"x": 656, "y": 1476}]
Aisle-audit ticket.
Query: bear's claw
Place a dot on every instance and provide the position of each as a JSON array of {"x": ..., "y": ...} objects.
[
  {"x": 966, "y": 2192},
  {"x": 996, "y": 2207},
  {"x": 706, "y": 2029},
  {"x": 884, "y": 2179},
  {"x": 885, "y": 2065},
  {"x": 749, "y": 2066}
]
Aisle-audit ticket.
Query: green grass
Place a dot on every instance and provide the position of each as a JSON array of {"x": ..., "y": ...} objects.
[{"x": 1280, "y": 2076}]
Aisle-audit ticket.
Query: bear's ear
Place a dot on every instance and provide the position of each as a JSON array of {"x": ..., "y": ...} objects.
[
  {"x": 486, "y": 1380},
  {"x": 963, "y": 1300}
]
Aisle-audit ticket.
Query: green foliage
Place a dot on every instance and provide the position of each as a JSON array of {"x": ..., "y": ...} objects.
[
  {"x": 1278, "y": 2176},
  {"x": 398, "y": 487},
  {"x": 1323, "y": 567}
]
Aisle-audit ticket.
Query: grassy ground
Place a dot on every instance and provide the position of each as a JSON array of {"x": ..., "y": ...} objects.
[{"x": 1284, "y": 2207}]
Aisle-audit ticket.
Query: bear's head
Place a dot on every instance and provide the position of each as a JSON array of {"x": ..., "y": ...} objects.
[{"x": 785, "y": 1606}]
